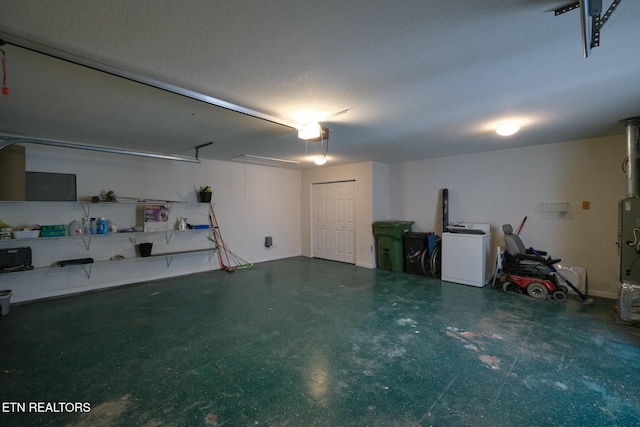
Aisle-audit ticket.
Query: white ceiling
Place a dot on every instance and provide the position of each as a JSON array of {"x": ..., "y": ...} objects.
[{"x": 419, "y": 79}]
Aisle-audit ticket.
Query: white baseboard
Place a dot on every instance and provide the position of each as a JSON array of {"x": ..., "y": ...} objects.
[{"x": 603, "y": 294}]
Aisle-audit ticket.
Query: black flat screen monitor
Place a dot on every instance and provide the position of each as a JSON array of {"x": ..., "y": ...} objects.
[{"x": 48, "y": 186}]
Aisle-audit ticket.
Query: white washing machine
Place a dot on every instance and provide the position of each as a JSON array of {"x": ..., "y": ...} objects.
[{"x": 465, "y": 258}]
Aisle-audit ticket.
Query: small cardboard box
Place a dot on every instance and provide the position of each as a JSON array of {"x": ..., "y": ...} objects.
[{"x": 156, "y": 217}]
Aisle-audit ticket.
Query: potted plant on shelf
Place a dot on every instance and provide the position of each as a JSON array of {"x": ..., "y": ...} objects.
[{"x": 205, "y": 194}]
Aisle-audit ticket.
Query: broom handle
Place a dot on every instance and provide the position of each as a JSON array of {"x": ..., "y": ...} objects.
[
  {"x": 216, "y": 235},
  {"x": 521, "y": 225},
  {"x": 219, "y": 240}
]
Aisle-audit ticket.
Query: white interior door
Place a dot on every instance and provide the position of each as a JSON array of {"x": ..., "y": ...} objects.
[{"x": 333, "y": 221}]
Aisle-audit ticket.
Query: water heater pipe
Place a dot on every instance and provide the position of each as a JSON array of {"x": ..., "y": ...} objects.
[
  {"x": 584, "y": 27},
  {"x": 633, "y": 167}
]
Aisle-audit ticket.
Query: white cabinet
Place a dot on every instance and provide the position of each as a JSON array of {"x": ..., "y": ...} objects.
[{"x": 465, "y": 258}]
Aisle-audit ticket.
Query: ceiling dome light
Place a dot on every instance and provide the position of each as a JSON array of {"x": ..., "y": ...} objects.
[
  {"x": 507, "y": 128},
  {"x": 320, "y": 160}
]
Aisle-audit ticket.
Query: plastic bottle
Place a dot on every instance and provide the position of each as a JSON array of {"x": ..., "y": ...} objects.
[
  {"x": 74, "y": 228},
  {"x": 86, "y": 226},
  {"x": 182, "y": 223},
  {"x": 93, "y": 227},
  {"x": 103, "y": 226}
]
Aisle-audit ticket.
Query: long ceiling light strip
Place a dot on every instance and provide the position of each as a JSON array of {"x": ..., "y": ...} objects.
[
  {"x": 95, "y": 65},
  {"x": 261, "y": 160},
  {"x": 7, "y": 141}
]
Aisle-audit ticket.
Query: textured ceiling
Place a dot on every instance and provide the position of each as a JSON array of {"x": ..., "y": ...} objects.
[{"x": 419, "y": 79}]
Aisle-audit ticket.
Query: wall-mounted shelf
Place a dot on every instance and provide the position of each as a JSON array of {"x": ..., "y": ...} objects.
[
  {"x": 88, "y": 238},
  {"x": 563, "y": 207},
  {"x": 558, "y": 210},
  {"x": 87, "y": 205},
  {"x": 168, "y": 256}
]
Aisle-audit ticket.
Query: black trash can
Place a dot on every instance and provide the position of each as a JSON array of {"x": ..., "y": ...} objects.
[
  {"x": 145, "y": 249},
  {"x": 5, "y": 302},
  {"x": 205, "y": 196},
  {"x": 416, "y": 255}
]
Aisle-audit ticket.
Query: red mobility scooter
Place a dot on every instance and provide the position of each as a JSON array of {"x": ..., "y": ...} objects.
[{"x": 527, "y": 270}]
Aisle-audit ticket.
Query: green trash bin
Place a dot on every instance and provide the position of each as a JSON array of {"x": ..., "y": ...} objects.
[{"x": 389, "y": 249}]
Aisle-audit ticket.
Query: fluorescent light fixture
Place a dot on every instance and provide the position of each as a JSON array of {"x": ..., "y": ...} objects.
[
  {"x": 267, "y": 161},
  {"x": 320, "y": 160},
  {"x": 310, "y": 131},
  {"x": 507, "y": 128}
]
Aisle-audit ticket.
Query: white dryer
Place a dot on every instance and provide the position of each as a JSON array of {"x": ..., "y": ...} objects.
[{"x": 465, "y": 258}]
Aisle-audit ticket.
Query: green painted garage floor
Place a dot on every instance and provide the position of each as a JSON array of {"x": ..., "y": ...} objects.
[{"x": 307, "y": 342}]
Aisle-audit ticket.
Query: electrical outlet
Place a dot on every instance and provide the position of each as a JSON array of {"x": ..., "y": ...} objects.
[{"x": 586, "y": 204}]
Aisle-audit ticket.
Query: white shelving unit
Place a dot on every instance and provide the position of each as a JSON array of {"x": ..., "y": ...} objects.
[{"x": 87, "y": 239}]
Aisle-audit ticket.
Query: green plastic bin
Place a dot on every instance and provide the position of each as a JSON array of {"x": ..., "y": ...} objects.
[{"x": 389, "y": 249}]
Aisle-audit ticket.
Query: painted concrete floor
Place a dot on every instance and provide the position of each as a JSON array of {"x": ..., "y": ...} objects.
[{"x": 307, "y": 342}]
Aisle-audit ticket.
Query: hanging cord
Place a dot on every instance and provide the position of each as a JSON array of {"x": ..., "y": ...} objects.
[
  {"x": 5, "y": 89},
  {"x": 324, "y": 148}
]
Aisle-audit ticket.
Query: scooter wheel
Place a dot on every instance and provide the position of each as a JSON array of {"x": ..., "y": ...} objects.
[
  {"x": 507, "y": 286},
  {"x": 563, "y": 289},
  {"x": 559, "y": 296},
  {"x": 537, "y": 290}
]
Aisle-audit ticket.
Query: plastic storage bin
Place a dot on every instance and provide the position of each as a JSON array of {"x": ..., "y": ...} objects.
[
  {"x": 26, "y": 234},
  {"x": 629, "y": 301},
  {"x": 388, "y": 236},
  {"x": 5, "y": 302}
]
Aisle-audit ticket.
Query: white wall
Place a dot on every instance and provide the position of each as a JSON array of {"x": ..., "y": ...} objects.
[
  {"x": 251, "y": 202},
  {"x": 365, "y": 174},
  {"x": 381, "y": 194},
  {"x": 504, "y": 186},
  {"x": 256, "y": 201}
]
